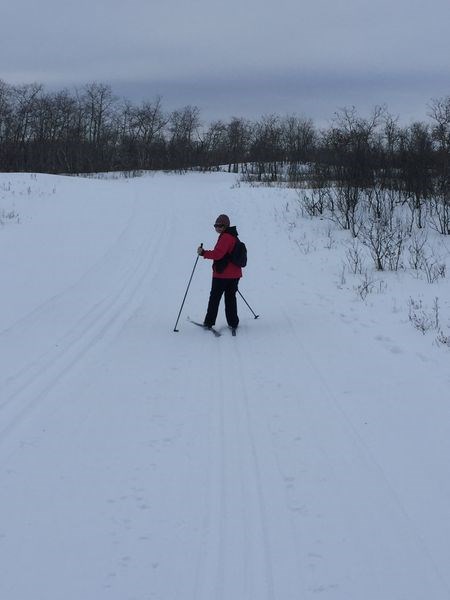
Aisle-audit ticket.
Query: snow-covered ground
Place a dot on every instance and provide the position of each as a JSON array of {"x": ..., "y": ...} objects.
[{"x": 308, "y": 457}]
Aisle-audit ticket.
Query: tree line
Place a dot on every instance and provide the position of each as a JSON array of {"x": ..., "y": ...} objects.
[{"x": 90, "y": 130}]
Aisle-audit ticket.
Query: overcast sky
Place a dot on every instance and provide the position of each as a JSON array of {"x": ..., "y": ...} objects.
[{"x": 240, "y": 58}]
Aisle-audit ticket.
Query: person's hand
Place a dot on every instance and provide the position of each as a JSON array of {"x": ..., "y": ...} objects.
[{"x": 200, "y": 250}]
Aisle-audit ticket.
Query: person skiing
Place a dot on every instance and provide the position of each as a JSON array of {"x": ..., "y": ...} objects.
[{"x": 226, "y": 274}]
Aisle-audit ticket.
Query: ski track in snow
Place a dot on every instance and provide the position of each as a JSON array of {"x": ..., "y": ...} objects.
[
  {"x": 97, "y": 323},
  {"x": 237, "y": 504},
  {"x": 141, "y": 464}
]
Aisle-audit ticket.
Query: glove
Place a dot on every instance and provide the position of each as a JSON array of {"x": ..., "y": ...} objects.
[{"x": 200, "y": 250}]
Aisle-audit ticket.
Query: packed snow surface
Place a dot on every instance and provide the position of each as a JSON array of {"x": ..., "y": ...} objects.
[{"x": 307, "y": 457}]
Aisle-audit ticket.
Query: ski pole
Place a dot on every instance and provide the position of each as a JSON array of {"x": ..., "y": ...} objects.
[
  {"x": 252, "y": 311},
  {"x": 189, "y": 283}
]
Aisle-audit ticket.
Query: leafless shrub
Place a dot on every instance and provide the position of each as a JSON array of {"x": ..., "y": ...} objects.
[
  {"x": 439, "y": 217},
  {"x": 424, "y": 319},
  {"x": 423, "y": 259},
  {"x": 330, "y": 242},
  {"x": 385, "y": 244},
  {"x": 343, "y": 280},
  {"x": 354, "y": 257},
  {"x": 305, "y": 246},
  {"x": 9, "y": 216},
  {"x": 417, "y": 249},
  {"x": 315, "y": 201},
  {"x": 347, "y": 212},
  {"x": 434, "y": 268},
  {"x": 442, "y": 339},
  {"x": 369, "y": 285}
]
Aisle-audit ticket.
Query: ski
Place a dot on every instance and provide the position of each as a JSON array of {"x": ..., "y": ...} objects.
[
  {"x": 233, "y": 331},
  {"x": 212, "y": 329}
]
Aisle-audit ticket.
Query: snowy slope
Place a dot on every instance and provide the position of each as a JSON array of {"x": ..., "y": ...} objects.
[{"x": 305, "y": 458}]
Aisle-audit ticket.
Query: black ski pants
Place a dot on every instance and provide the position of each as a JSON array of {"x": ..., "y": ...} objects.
[{"x": 228, "y": 288}]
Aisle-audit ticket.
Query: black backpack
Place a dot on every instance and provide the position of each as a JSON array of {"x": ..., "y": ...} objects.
[{"x": 238, "y": 255}]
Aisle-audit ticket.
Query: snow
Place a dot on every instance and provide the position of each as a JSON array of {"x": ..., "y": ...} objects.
[{"x": 307, "y": 457}]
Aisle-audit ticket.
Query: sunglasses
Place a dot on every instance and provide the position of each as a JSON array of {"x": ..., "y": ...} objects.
[{"x": 219, "y": 225}]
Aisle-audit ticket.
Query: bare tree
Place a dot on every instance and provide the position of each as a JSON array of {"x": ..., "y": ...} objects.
[
  {"x": 184, "y": 128},
  {"x": 214, "y": 145},
  {"x": 299, "y": 139},
  {"x": 351, "y": 140},
  {"x": 439, "y": 111},
  {"x": 440, "y": 216},
  {"x": 267, "y": 149},
  {"x": 239, "y": 132},
  {"x": 146, "y": 124},
  {"x": 97, "y": 101},
  {"x": 416, "y": 159}
]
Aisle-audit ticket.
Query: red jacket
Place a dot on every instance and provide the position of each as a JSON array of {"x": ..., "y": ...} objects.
[{"x": 224, "y": 246}]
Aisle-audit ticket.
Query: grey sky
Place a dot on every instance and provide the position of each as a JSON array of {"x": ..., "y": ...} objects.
[{"x": 239, "y": 57}]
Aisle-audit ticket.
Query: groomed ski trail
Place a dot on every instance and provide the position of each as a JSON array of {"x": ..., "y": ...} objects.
[
  {"x": 139, "y": 463},
  {"x": 98, "y": 304}
]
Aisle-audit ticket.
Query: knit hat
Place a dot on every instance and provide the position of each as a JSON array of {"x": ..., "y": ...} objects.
[{"x": 223, "y": 220}]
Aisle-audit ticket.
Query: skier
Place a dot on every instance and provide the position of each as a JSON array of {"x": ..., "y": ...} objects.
[{"x": 226, "y": 275}]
